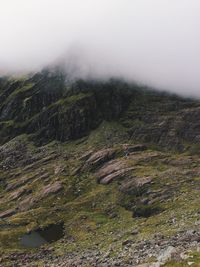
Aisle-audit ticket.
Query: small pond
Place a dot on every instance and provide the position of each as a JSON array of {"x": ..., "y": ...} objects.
[{"x": 40, "y": 237}]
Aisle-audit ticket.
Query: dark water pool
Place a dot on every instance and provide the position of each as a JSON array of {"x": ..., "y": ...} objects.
[{"x": 40, "y": 237}]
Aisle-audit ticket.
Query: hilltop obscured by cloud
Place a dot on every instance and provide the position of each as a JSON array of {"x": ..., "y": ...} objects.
[{"x": 151, "y": 41}]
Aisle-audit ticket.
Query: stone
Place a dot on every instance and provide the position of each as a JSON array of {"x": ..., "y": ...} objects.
[
  {"x": 98, "y": 158},
  {"x": 128, "y": 149},
  {"x": 16, "y": 194},
  {"x": 166, "y": 254},
  {"x": 115, "y": 176},
  {"x": 58, "y": 169},
  {"x": 114, "y": 170},
  {"x": 51, "y": 189},
  {"x": 134, "y": 184},
  {"x": 127, "y": 242},
  {"x": 7, "y": 213},
  {"x": 190, "y": 263},
  {"x": 26, "y": 203},
  {"x": 184, "y": 256},
  {"x": 86, "y": 155},
  {"x": 135, "y": 232}
]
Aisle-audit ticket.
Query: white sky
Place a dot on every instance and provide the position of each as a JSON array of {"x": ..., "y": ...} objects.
[{"x": 151, "y": 41}]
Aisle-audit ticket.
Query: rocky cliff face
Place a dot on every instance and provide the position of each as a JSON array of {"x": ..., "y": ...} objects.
[
  {"x": 49, "y": 108},
  {"x": 46, "y": 106},
  {"x": 116, "y": 164}
]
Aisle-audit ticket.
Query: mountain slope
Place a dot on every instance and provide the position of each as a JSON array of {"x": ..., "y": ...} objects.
[{"x": 117, "y": 164}]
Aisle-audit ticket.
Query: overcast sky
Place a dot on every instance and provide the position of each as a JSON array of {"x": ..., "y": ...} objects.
[{"x": 156, "y": 42}]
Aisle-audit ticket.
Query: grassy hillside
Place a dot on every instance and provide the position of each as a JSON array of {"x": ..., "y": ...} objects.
[{"x": 117, "y": 164}]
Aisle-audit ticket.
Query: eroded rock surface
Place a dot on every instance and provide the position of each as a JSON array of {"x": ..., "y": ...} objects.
[
  {"x": 51, "y": 189},
  {"x": 98, "y": 158},
  {"x": 114, "y": 170},
  {"x": 135, "y": 184}
]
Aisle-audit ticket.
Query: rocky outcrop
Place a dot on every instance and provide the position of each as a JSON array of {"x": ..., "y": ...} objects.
[
  {"x": 18, "y": 193},
  {"x": 51, "y": 189},
  {"x": 135, "y": 184},
  {"x": 45, "y": 106},
  {"x": 128, "y": 149},
  {"x": 7, "y": 213},
  {"x": 114, "y": 170},
  {"x": 29, "y": 201},
  {"x": 98, "y": 158}
]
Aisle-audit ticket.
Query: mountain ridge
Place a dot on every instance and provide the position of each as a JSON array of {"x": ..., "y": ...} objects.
[{"x": 45, "y": 101}]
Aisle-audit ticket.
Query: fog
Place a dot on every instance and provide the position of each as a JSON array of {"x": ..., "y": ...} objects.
[{"x": 155, "y": 42}]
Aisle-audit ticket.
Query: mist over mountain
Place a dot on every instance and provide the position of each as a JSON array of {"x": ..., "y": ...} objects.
[
  {"x": 99, "y": 141},
  {"x": 149, "y": 41}
]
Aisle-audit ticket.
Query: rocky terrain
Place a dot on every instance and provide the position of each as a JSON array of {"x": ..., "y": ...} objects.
[{"x": 117, "y": 164}]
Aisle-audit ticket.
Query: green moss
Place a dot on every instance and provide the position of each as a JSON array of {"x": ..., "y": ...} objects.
[
  {"x": 24, "y": 88},
  {"x": 7, "y": 123},
  {"x": 194, "y": 149}
]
